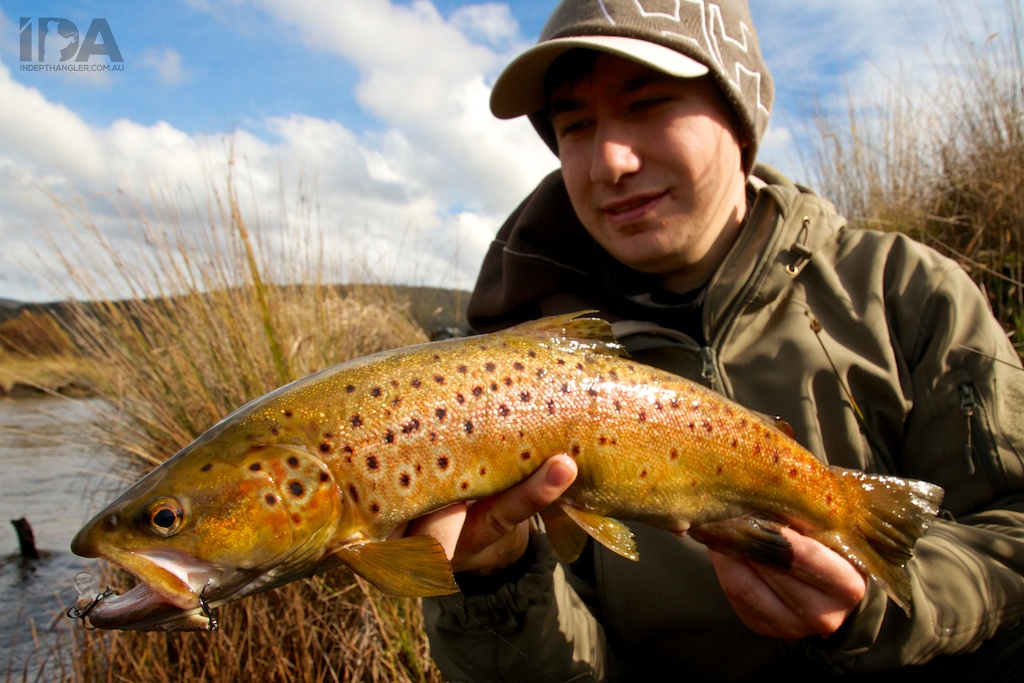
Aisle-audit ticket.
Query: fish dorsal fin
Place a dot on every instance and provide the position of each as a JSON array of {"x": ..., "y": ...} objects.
[
  {"x": 579, "y": 331},
  {"x": 410, "y": 567},
  {"x": 611, "y": 533}
]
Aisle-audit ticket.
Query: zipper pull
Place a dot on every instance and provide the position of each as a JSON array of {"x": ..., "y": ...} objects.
[
  {"x": 967, "y": 406},
  {"x": 707, "y": 366}
]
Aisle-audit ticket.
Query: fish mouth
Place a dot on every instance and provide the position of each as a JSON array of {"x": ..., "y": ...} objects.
[{"x": 171, "y": 594}]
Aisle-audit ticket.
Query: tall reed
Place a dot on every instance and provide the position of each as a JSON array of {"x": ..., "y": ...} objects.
[
  {"x": 212, "y": 318},
  {"x": 944, "y": 163}
]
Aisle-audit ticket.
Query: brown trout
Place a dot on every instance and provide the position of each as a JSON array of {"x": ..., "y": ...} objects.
[{"x": 319, "y": 472}]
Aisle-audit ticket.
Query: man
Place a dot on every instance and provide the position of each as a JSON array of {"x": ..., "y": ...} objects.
[{"x": 881, "y": 354}]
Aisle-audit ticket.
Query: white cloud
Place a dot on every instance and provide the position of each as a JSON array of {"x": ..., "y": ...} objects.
[{"x": 166, "y": 63}]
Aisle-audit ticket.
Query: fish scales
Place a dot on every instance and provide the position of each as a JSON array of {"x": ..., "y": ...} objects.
[{"x": 321, "y": 472}]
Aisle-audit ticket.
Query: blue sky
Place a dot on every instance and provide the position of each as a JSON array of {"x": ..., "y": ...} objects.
[{"x": 376, "y": 107}]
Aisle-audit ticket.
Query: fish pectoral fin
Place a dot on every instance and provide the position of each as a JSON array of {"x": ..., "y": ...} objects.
[
  {"x": 611, "y": 533},
  {"x": 565, "y": 535},
  {"x": 410, "y": 567},
  {"x": 751, "y": 537}
]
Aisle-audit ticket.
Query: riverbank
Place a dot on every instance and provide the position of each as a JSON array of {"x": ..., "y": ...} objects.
[{"x": 25, "y": 377}]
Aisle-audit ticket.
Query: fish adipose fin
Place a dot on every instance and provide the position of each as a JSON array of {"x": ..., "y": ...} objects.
[
  {"x": 751, "y": 537},
  {"x": 611, "y": 533},
  {"x": 410, "y": 567}
]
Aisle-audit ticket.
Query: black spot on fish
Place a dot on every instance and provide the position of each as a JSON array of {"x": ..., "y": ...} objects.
[
  {"x": 565, "y": 388},
  {"x": 297, "y": 489},
  {"x": 411, "y": 426},
  {"x": 356, "y": 421},
  {"x": 508, "y": 381},
  {"x": 518, "y": 366},
  {"x": 460, "y": 398},
  {"x": 415, "y": 383},
  {"x": 642, "y": 416},
  {"x": 673, "y": 454},
  {"x": 442, "y": 462},
  {"x": 405, "y": 479},
  {"x": 325, "y": 447},
  {"x": 576, "y": 450},
  {"x": 483, "y": 471},
  {"x": 255, "y": 467},
  {"x": 468, "y": 426},
  {"x": 396, "y": 401},
  {"x": 643, "y": 474},
  {"x": 375, "y": 392},
  {"x": 293, "y": 462},
  {"x": 371, "y": 462},
  {"x": 494, "y": 386},
  {"x": 389, "y": 436},
  {"x": 375, "y": 508},
  {"x": 532, "y": 354},
  {"x": 207, "y": 467},
  {"x": 617, "y": 405},
  {"x": 275, "y": 430},
  {"x": 463, "y": 369},
  {"x": 350, "y": 388},
  {"x": 439, "y": 379},
  {"x": 561, "y": 361},
  {"x": 541, "y": 372},
  {"x": 353, "y": 493},
  {"x": 524, "y": 397},
  {"x": 503, "y": 410},
  {"x": 440, "y": 413},
  {"x": 592, "y": 392},
  {"x": 489, "y": 367},
  {"x": 525, "y": 455},
  {"x": 478, "y": 391},
  {"x": 324, "y": 477},
  {"x": 464, "y": 486},
  {"x": 551, "y": 407},
  {"x": 270, "y": 498}
]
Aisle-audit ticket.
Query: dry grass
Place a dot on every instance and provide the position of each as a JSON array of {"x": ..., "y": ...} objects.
[
  {"x": 946, "y": 166},
  {"x": 211, "y": 323}
]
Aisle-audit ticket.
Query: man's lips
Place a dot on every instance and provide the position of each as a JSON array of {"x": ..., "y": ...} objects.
[{"x": 631, "y": 208}]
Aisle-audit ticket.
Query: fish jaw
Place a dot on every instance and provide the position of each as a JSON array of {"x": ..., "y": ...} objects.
[{"x": 171, "y": 588}]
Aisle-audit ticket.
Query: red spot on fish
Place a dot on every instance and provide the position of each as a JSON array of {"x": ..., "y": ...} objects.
[
  {"x": 617, "y": 405},
  {"x": 734, "y": 443},
  {"x": 643, "y": 474},
  {"x": 551, "y": 407},
  {"x": 793, "y": 472},
  {"x": 707, "y": 426},
  {"x": 673, "y": 454},
  {"x": 592, "y": 392},
  {"x": 642, "y": 416},
  {"x": 296, "y": 519},
  {"x": 525, "y": 455},
  {"x": 602, "y": 440},
  {"x": 718, "y": 470}
]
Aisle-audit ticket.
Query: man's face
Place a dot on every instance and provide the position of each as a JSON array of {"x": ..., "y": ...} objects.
[{"x": 653, "y": 168}]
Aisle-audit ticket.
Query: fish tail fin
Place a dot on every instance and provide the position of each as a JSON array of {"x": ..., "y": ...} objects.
[{"x": 892, "y": 514}]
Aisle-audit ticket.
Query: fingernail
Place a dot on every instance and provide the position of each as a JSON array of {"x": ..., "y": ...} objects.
[{"x": 559, "y": 473}]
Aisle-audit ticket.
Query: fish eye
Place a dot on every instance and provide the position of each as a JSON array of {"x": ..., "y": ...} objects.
[{"x": 165, "y": 516}]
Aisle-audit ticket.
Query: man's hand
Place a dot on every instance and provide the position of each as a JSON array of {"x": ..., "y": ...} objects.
[
  {"x": 486, "y": 535},
  {"x": 812, "y": 598}
]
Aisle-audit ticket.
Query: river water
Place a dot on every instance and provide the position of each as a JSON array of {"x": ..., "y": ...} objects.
[{"x": 51, "y": 475}]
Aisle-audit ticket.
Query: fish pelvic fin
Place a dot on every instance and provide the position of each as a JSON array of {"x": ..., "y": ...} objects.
[
  {"x": 575, "y": 331},
  {"x": 894, "y": 514},
  {"x": 410, "y": 567},
  {"x": 611, "y": 533}
]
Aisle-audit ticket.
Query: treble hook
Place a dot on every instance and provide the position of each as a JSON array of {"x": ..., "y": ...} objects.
[
  {"x": 75, "y": 613},
  {"x": 205, "y": 606}
]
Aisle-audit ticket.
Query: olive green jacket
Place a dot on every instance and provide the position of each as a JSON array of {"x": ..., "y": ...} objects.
[{"x": 802, "y": 315}]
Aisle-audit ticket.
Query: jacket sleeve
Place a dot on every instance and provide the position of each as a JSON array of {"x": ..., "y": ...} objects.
[
  {"x": 535, "y": 628},
  {"x": 964, "y": 431}
]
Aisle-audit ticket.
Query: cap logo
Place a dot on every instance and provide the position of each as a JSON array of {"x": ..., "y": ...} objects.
[{"x": 722, "y": 44}]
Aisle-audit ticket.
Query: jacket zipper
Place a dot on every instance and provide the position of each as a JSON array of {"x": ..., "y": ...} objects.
[
  {"x": 708, "y": 366},
  {"x": 967, "y": 405}
]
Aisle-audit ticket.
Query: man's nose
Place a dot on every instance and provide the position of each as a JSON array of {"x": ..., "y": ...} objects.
[{"x": 615, "y": 155}]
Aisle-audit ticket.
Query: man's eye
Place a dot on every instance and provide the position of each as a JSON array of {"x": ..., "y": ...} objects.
[
  {"x": 571, "y": 128},
  {"x": 647, "y": 103}
]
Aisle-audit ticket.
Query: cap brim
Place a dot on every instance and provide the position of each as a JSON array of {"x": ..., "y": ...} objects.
[{"x": 519, "y": 89}]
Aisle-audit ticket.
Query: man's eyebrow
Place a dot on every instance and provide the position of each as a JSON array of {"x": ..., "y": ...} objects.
[{"x": 562, "y": 104}]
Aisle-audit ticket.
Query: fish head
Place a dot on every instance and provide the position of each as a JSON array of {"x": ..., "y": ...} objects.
[{"x": 204, "y": 529}]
